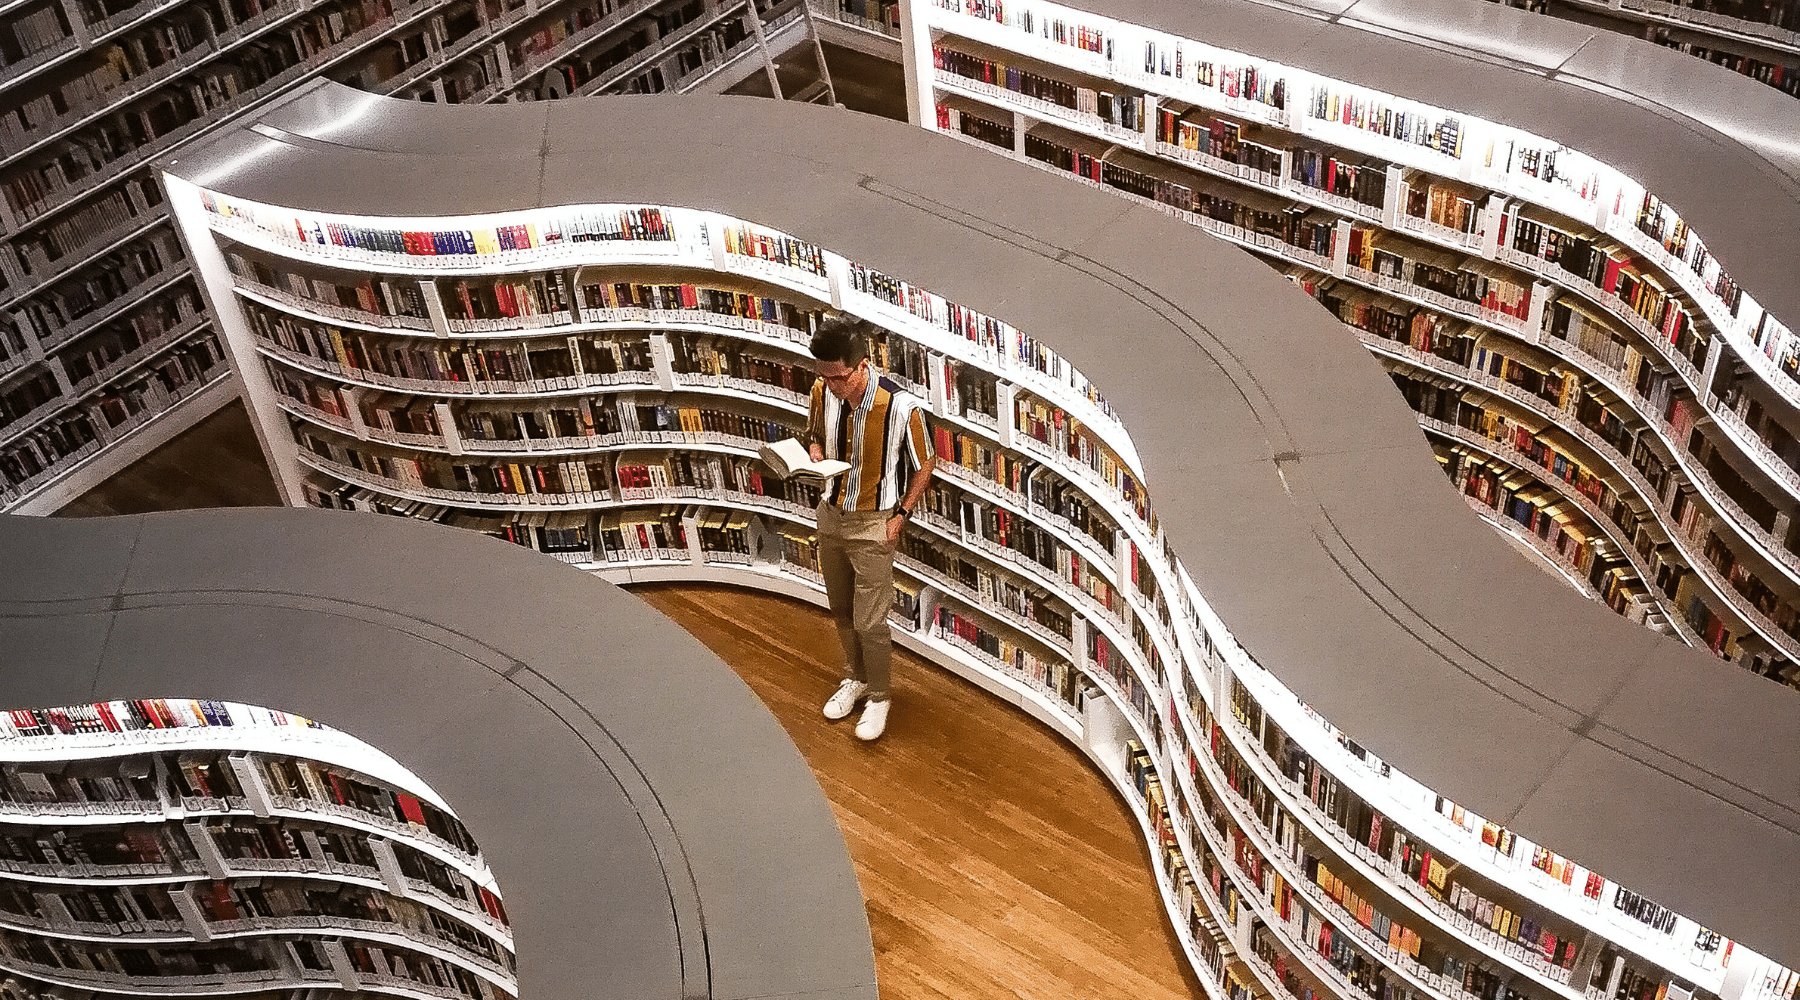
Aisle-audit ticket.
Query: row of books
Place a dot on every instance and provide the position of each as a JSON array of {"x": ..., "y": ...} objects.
[
  {"x": 1048, "y": 674},
  {"x": 1533, "y": 509},
  {"x": 508, "y": 366},
  {"x": 1309, "y": 229},
  {"x": 1217, "y": 137},
  {"x": 687, "y": 296},
  {"x": 538, "y": 295},
  {"x": 729, "y": 358},
  {"x": 1413, "y": 125},
  {"x": 568, "y": 225},
  {"x": 1443, "y": 205},
  {"x": 131, "y": 57},
  {"x": 1064, "y": 435},
  {"x": 51, "y": 312},
  {"x": 1660, "y": 222},
  {"x": 90, "y": 358},
  {"x": 128, "y": 716},
  {"x": 40, "y": 251},
  {"x": 978, "y": 582},
  {"x": 1476, "y": 282},
  {"x": 375, "y": 296},
  {"x": 779, "y": 248}
]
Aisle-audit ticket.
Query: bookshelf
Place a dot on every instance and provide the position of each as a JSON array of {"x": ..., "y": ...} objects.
[
  {"x": 1040, "y": 568},
  {"x": 1608, "y": 333},
  {"x": 171, "y": 847},
  {"x": 104, "y": 352},
  {"x": 1760, "y": 43}
]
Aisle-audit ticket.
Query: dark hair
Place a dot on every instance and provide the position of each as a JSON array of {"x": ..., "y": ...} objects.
[{"x": 840, "y": 338}]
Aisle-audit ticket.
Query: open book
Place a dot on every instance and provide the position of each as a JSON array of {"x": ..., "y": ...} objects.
[{"x": 789, "y": 458}]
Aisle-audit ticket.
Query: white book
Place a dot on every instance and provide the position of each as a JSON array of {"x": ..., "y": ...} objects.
[{"x": 788, "y": 458}]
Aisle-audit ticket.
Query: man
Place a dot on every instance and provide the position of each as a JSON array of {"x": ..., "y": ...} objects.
[{"x": 864, "y": 418}]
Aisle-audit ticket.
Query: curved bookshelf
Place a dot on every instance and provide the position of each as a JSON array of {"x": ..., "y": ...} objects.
[
  {"x": 165, "y": 823},
  {"x": 1112, "y": 125},
  {"x": 1152, "y": 670}
]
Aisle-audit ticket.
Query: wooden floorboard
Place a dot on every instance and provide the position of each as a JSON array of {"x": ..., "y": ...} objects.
[{"x": 995, "y": 861}]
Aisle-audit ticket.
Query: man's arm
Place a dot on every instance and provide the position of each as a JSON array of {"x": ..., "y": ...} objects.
[
  {"x": 815, "y": 422},
  {"x": 921, "y": 477}
]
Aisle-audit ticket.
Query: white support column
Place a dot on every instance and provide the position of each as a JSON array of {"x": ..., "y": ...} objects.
[
  {"x": 662, "y": 358},
  {"x": 84, "y": 36},
  {"x": 762, "y": 44},
  {"x": 192, "y": 917},
  {"x": 434, "y": 307},
  {"x": 837, "y": 278},
  {"x": 916, "y": 61},
  {"x": 55, "y": 910},
  {"x": 716, "y": 243},
  {"x": 352, "y": 396},
  {"x": 1340, "y": 249},
  {"x": 1393, "y": 197},
  {"x": 1221, "y": 693},
  {"x": 238, "y": 340},
  {"x": 935, "y": 388},
  {"x": 1534, "y": 316},
  {"x": 207, "y": 849},
  {"x": 256, "y": 789},
  {"x": 1150, "y": 124},
  {"x": 1021, "y": 125},
  {"x": 388, "y": 864},
  {"x": 1004, "y": 409},
  {"x": 504, "y": 61},
  {"x": 10, "y": 269},
  {"x": 341, "y": 965},
  {"x": 453, "y": 442},
  {"x": 690, "y": 526},
  {"x": 1715, "y": 348},
  {"x": 1491, "y": 235},
  {"x": 568, "y": 276}
]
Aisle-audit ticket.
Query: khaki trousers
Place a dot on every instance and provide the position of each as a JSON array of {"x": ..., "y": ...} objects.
[{"x": 859, "y": 584}]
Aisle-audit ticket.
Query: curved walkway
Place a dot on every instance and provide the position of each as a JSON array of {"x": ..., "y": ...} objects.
[{"x": 654, "y": 832}]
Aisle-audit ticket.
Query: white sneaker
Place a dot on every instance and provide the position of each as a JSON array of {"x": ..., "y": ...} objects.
[
  {"x": 873, "y": 721},
  {"x": 844, "y": 701}
]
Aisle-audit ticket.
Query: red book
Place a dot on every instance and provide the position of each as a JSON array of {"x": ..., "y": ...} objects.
[{"x": 410, "y": 808}]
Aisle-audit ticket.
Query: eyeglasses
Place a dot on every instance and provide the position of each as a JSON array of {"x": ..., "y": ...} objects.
[{"x": 845, "y": 378}]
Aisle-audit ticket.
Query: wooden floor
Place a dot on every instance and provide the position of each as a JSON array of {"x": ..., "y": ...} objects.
[{"x": 995, "y": 860}]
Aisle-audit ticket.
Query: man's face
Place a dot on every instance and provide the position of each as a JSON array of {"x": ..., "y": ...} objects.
[{"x": 843, "y": 381}]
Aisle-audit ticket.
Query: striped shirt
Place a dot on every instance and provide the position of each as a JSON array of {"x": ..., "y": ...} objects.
[{"x": 883, "y": 438}]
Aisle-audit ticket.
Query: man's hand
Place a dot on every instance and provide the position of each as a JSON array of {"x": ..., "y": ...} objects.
[
  {"x": 815, "y": 452},
  {"x": 895, "y": 525}
]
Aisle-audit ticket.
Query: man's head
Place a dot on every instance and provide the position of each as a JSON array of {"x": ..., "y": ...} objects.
[{"x": 841, "y": 347}]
